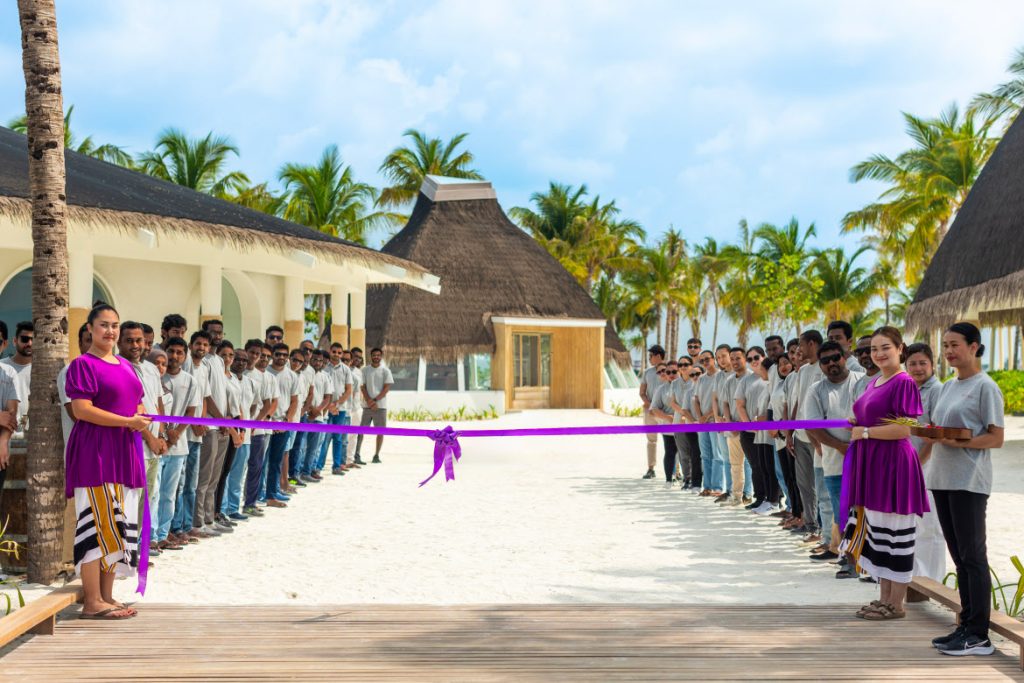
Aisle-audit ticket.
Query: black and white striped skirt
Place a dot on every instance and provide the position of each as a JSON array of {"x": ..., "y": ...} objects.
[
  {"x": 881, "y": 543},
  {"x": 107, "y": 528}
]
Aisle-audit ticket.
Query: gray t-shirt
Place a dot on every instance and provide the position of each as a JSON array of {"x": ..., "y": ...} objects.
[
  {"x": 184, "y": 391},
  {"x": 287, "y": 387},
  {"x": 8, "y": 392},
  {"x": 703, "y": 392},
  {"x": 829, "y": 400},
  {"x": 682, "y": 392},
  {"x": 734, "y": 388},
  {"x": 973, "y": 403},
  {"x": 747, "y": 390},
  {"x": 853, "y": 365},
  {"x": 201, "y": 373},
  {"x": 374, "y": 380},
  {"x": 777, "y": 402},
  {"x": 929, "y": 392},
  {"x": 661, "y": 397},
  {"x": 22, "y": 377},
  {"x": 805, "y": 379},
  {"x": 651, "y": 380},
  {"x": 862, "y": 385},
  {"x": 756, "y": 392}
]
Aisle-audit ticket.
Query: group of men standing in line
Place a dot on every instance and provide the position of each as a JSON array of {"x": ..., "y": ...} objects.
[{"x": 202, "y": 480}]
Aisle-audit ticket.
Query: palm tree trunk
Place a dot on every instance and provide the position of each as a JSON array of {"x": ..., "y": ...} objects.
[
  {"x": 45, "y": 112},
  {"x": 714, "y": 330},
  {"x": 321, "y": 314}
]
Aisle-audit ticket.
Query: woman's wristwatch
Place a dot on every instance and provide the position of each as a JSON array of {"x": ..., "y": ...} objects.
[{"x": 867, "y": 434}]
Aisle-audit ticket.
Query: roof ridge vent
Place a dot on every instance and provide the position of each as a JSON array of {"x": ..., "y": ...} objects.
[{"x": 443, "y": 189}]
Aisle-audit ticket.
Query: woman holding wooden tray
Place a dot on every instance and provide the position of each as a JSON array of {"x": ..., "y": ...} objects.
[
  {"x": 960, "y": 478},
  {"x": 883, "y": 486}
]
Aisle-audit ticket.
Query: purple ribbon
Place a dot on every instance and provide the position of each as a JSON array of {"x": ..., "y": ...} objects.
[{"x": 446, "y": 441}]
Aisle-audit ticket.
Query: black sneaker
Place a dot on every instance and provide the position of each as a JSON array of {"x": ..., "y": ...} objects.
[
  {"x": 358, "y": 461},
  {"x": 966, "y": 645},
  {"x": 754, "y": 504},
  {"x": 821, "y": 557},
  {"x": 650, "y": 475},
  {"x": 846, "y": 573},
  {"x": 943, "y": 640},
  {"x": 376, "y": 459}
]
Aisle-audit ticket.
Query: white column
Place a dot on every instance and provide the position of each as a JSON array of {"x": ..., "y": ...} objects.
[
  {"x": 80, "y": 276},
  {"x": 358, "y": 311},
  {"x": 210, "y": 292},
  {"x": 421, "y": 375},
  {"x": 294, "y": 311},
  {"x": 460, "y": 372},
  {"x": 339, "y": 315}
]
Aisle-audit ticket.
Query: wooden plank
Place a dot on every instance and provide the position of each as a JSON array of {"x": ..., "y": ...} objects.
[
  {"x": 498, "y": 643},
  {"x": 38, "y": 616}
]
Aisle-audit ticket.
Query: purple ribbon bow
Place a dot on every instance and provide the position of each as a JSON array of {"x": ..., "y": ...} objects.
[{"x": 446, "y": 446}]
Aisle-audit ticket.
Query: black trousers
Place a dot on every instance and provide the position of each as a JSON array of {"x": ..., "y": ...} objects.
[
  {"x": 670, "y": 455},
  {"x": 696, "y": 467},
  {"x": 750, "y": 453},
  {"x": 683, "y": 454},
  {"x": 769, "y": 482},
  {"x": 222, "y": 478},
  {"x": 788, "y": 463},
  {"x": 962, "y": 517}
]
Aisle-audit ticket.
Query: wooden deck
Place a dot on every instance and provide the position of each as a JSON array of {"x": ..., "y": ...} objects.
[{"x": 497, "y": 643}]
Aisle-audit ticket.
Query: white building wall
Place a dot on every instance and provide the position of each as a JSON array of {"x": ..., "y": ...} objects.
[{"x": 437, "y": 401}]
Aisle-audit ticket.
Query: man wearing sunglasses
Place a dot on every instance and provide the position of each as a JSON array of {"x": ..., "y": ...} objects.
[
  {"x": 841, "y": 332},
  {"x": 704, "y": 385},
  {"x": 863, "y": 354},
  {"x": 693, "y": 349},
  {"x": 801, "y": 443},
  {"x": 649, "y": 383},
  {"x": 20, "y": 366},
  {"x": 832, "y": 399},
  {"x": 679, "y": 402},
  {"x": 661, "y": 411}
]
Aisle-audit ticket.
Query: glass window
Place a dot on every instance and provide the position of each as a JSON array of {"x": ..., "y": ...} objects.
[
  {"x": 614, "y": 374},
  {"x": 405, "y": 374},
  {"x": 477, "y": 370},
  {"x": 531, "y": 359},
  {"x": 442, "y": 377}
]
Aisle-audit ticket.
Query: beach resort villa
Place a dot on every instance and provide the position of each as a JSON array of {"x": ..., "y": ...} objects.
[
  {"x": 511, "y": 327},
  {"x": 150, "y": 247}
]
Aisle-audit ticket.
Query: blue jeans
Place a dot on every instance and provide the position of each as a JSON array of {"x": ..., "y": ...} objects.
[
  {"x": 748, "y": 479},
  {"x": 834, "y": 484},
  {"x": 275, "y": 457},
  {"x": 712, "y": 474},
  {"x": 254, "y": 479},
  {"x": 232, "y": 502},
  {"x": 187, "y": 484},
  {"x": 722, "y": 460},
  {"x": 824, "y": 505},
  {"x": 170, "y": 474},
  {"x": 314, "y": 444},
  {"x": 297, "y": 451},
  {"x": 780, "y": 477},
  {"x": 336, "y": 442}
]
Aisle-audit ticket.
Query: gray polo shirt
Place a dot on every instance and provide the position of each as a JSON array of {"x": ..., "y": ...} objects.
[
  {"x": 747, "y": 390},
  {"x": 929, "y": 392},
  {"x": 652, "y": 381},
  {"x": 703, "y": 392},
  {"x": 184, "y": 392},
  {"x": 973, "y": 403},
  {"x": 830, "y": 400},
  {"x": 287, "y": 387},
  {"x": 806, "y": 378},
  {"x": 661, "y": 396},
  {"x": 734, "y": 386}
]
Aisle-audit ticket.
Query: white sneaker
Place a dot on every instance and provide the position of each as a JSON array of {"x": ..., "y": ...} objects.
[
  {"x": 767, "y": 509},
  {"x": 669, "y": 484},
  {"x": 759, "y": 510}
]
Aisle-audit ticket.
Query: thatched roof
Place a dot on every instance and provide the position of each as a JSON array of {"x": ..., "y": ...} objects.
[
  {"x": 103, "y": 194},
  {"x": 980, "y": 263},
  {"x": 488, "y": 266}
]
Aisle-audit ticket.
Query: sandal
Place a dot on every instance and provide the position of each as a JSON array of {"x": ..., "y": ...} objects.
[
  {"x": 884, "y": 613},
  {"x": 108, "y": 614},
  {"x": 869, "y": 608}
]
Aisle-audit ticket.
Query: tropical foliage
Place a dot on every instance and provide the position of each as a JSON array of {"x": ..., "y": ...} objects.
[
  {"x": 406, "y": 166},
  {"x": 88, "y": 146},
  {"x": 196, "y": 163}
]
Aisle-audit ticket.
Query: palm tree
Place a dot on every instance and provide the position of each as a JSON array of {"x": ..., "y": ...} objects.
[
  {"x": 713, "y": 265},
  {"x": 556, "y": 211},
  {"x": 325, "y": 196},
  {"x": 927, "y": 185},
  {"x": 739, "y": 295},
  {"x": 846, "y": 287},
  {"x": 196, "y": 163},
  {"x": 260, "y": 198},
  {"x": 1007, "y": 99},
  {"x": 46, "y": 178},
  {"x": 407, "y": 166},
  {"x": 88, "y": 147}
]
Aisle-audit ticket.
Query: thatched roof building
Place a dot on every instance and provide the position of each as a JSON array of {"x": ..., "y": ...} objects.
[
  {"x": 496, "y": 278},
  {"x": 152, "y": 247},
  {"x": 978, "y": 270}
]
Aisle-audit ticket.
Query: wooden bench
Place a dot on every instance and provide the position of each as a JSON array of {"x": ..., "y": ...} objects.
[
  {"x": 40, "y": 615},
  {"x": 1004, "y": 625}
]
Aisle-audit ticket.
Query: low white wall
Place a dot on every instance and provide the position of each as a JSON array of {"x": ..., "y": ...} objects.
[
  {"x": 436, "y": 401},
  {"x": 629, "y": 398}
]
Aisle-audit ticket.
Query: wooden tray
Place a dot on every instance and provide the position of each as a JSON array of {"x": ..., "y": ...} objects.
[{"x": 957, "y": 433}]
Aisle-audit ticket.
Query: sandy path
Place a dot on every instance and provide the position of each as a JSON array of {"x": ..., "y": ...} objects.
[{"x": 527, "y": 520}]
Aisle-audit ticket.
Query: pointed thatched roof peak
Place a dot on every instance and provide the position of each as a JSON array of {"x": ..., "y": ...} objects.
[
  {"x": 488, "y": 267},
  {"x": 979, "y": 266}
]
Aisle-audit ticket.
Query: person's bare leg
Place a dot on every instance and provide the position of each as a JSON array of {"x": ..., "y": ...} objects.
[
  {"x": 897, "y": 595},
  {"x": 380, "y": 442},
  {"x": 107, "y": 591},
  {"x": 93, "y": 601},
  {"x": 884, "y": 585}
]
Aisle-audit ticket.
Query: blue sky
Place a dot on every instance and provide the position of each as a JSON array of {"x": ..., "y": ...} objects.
[{"x": 688, "y": 114}]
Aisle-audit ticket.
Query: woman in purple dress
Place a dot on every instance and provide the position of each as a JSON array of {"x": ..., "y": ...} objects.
[
  {"x": 883, "y": 485},
  {"x": 106, "y": 473}
]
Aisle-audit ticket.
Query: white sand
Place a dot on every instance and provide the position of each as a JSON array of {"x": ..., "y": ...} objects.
[{"x": 527, "y": 520}]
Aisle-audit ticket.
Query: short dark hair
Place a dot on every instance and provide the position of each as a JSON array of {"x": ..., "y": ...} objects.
[
  {"x": 297, "y": 352},
  {"x": 737, "y": 349},
  {"x": 207, "y": 323},
  {"x": 81, "y": 332},
  {"x": 175, "y": 341},
  {"x": 273, "y": 328},
  {"x": 671, "y": 362},
  {"x": 24, "y": 326},
  {"x": 279, "y": 346},
  {"x": 722, "y": 346},
  {"x": 795, "y": 341},
  {"x": 846, "y": 327},
  {"x": 338, "y": 345},
  {"x": 173, "y": 320},
  {"x": 921, "y": 347},
  {"x": 3, "y": 330},
  {"x": 225, "y": 344},
  {"x": 147, "y": 329},
  {"x": 657, "y": 350},
  {"x": 129, "y": 325},
  {"x": 254, "y": 343},
  {"x": 863, "y": 337},
  {"x": 812, "y": 336},
  {"x": 693, "y": 340},
  {"x": 758, "y": 349},
  {"x": 773, "y": 337},
  {"x": 376, "y": 349},
  {"x": 267, "y": 347},
  {"x": 829, "y": 346},
  {"x": 707, "y": 351},
  {"x": 356, "y": 349},
  {"x": 198, "y": 334}
]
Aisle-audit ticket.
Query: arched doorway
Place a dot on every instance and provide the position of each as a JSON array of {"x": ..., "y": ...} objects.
[{"x": 16, "y": 298}]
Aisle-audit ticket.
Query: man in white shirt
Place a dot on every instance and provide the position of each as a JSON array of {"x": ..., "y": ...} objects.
[
  {"x": 247, "y": 402},
  {"x": 8, "y": 412},
  {"x": 215, "y": 441},
  {"x": 338, "y": 413},
  {"x": 285, "y": 411},
  {"x": 649, "y": 383},
  {"x": 19, "y": 367},
  {"x": 322, "y": 399},
  {"x": 185, "y": 522},
  {"x": 354, "y": 361},
  {"x": 377, "y": 381},
  {"x": 184, "y": 402},
  {"x": 299, "y": 362},
  {"x": 841, "y": 332},
  {"x": 259, "y": 355},
  {"x": 803, "y": 445}
]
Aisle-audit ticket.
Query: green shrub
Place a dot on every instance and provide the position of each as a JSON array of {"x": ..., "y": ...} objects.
[
  {"x": 460, "y": 414},
  {"x": 623, "y": 410},
  {"x": 1011, "y": 383}
]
